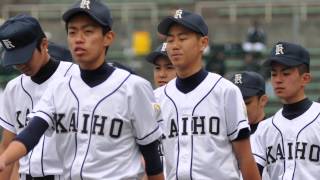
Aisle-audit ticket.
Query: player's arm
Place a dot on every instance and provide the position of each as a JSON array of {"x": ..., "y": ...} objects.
[
  {"x": 9, "y": 171},
  {"x": 15, "y": 171},
  {"x": 245, "y": 159},
  {"x": 154, "y": 167},
  {"x": 24, "y": 142},
  {"x": 146, "y": 127}
]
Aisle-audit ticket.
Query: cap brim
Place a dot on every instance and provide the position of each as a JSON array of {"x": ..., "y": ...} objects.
[
  {"x": 152, "y": 56},
  {"x": 69, "y": 14},
  {"x": 165, "y": 24},
  {"x": 248, "y": 92},
  {"x": 19, "y": 55},
  {"x": 282, "y": 60}
]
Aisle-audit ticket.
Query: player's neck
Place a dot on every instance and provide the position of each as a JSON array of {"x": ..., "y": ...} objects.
[
  {"x": 95, "y": 77},
  {"x": 46, "y": 71},
  {"x": 291, "y": 111},
  {"x": 188, "y": 84},
  {"x": 92, "y": 65}
]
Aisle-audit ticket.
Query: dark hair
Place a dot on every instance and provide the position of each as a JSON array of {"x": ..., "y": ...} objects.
[
  {"x": 39, "y": 41},
  {"x": 260, "y": 94},
  {"x": 303, "y": 68}
]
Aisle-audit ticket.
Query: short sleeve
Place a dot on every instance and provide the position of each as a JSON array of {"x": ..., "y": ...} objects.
[
  {"x": 235, "y": 112},
  {"x": 142, "y": 104},
  {"x": 45, "y": 108},
  {"x": 157, "y": 108},
  {"x": 7, "y": 111},
  {"x": 257, "y": 144}
]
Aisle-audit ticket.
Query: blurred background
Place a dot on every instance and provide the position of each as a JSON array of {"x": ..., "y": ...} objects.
[{"x": 241, "y": 32}]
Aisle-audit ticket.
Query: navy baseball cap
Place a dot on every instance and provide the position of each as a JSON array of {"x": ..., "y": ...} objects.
[
  {"x": 59, "y": 52},
  {"x": 96, "y": 9},
  {"x": 288, "y": 54},
  {"x": 159, "y": 51},
  {"x": 250, "y": 83},
  {"x": 19, "y": 36},
  {"x": 190, "y": 20}
]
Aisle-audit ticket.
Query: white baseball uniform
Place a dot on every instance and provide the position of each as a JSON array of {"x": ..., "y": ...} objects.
[
  {"x": 199, "y": 127},
  {"x": 99, "y": 128},
  {"x": 1, "y": 94},
  {"x": 290, "y": 149},
  {"x": 159, "y": 118},
  {"x": 20, "y": 96},
  {"x": 265, "y": 175}
]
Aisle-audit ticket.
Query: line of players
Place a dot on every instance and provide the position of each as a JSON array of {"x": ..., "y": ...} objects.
[{"x": 205, "y": 129}]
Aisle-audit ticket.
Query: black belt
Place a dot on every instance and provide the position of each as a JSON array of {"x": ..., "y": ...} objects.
[{"x": 49, "y": 177}]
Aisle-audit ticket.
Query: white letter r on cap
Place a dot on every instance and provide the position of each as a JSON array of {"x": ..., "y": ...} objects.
[
  {"x": 178, "y": 14},
  {"x": 8, "y": 44},
  {"x": 279, "y": 49},
  {"x": 85, "y": 4}
]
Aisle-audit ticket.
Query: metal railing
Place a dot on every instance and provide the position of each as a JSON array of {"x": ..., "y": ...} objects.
[
  {"x": 235, "y": 9},
  {"x": 124, "y": 11}
]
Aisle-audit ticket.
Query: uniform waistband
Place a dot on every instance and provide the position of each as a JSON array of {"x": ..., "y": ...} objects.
[{"x": 48, "y": 177}]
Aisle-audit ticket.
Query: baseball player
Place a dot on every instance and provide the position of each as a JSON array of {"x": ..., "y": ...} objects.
[
  {"x": 26, "y": 49},
  {"x": 102, "y": 116},
  {"x": 288, "y": 143},
  {"x": 206, "y": 131},
  {"x": 253, "y": 90},
  {"x": 163, "y": 70}
]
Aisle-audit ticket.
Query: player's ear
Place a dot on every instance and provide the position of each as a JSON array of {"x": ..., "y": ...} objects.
[
  {"x": 44, "y": 44},
  {"x": 263, "y": 100},
  {"x": 204, "y": 41},
  {"x": 306, "y": 78},
  {"x": 108, "y": 38}
]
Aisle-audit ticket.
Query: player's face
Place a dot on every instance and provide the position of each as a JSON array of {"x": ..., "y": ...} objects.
[
  {"x": 87, "y": 42},
  {"x": 288, "y": 84},
  {"x": 163, "y": 71},
  {"x": 38, "y": 59},
  {"x": 185, "y": 49},
  {"x": 255, "y": 108}
]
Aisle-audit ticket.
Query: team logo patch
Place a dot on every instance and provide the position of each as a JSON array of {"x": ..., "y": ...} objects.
[
  {"x": 279, "y": 49},
  {"x": 8, "y": 44},
  {"x": 238, "y": 78},
  {"x": 178, "y": 14},
  {"x": 85, "y": 4},
  {"x": 164, "y": 46},
  {"x": 156, "y": 107}
]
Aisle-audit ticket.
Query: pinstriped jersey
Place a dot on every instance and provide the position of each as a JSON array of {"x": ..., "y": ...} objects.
[
  {"x": 289, "y": 149},
  {"x": 20, "y": 96},
  {"x": 99, "y": 128},
  {"x": 199, "y": 127}
]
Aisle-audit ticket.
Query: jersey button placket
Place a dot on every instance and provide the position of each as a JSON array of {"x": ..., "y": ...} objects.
[{"x": 185, "y": 145}]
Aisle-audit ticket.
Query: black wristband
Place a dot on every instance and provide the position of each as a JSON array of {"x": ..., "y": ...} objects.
[
  {"x": 151, "y": 157},
  {"x": 31, "y": 135}
]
